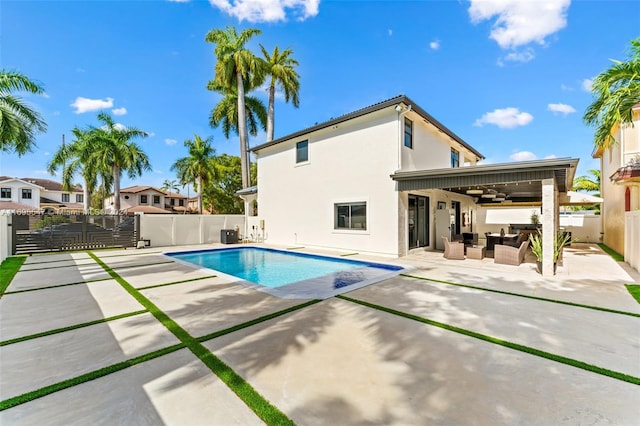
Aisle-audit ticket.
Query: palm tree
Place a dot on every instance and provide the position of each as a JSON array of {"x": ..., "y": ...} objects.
[
  {"x": 171, "y": 185},
  {"x": 588, "y": 183},
  {"x": 235, "y": 65},
  {"x": 616, "y": 92},
  {"x": 118, "y": 153},
  {"x": 18, "y": 122},
  {"x": 225, "y": 113},
  {"x": 77, "y": 157},
  {"x": 199, "y": 167},
  {"x": 280, "y": 66}
]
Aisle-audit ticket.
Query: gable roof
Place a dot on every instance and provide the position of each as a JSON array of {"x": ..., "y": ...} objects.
[
  {"x": 174, "y": 194},
  {"x": 8, "y": 179},
  {"x": 50, "y": 185},
  {"x": 139, "y": 188},
  {"x": 400, "y": 99}
]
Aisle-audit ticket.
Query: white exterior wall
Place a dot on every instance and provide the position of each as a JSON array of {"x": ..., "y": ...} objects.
[
  {"x": 632, "y": 241},
  {"x": 178, "y": 229},
  {"x": 16, "y": 193},
  {"x": 57, "y": 196},
  {"x": 349, "y": 162},
  {"x": 133, "y": 200},
  {"x": 5, "y": 237}
]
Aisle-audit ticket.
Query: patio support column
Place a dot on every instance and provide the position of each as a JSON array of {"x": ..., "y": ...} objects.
[{"x": 549, "y": 224}]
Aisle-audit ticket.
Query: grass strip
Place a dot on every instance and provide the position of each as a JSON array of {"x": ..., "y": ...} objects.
[
  {"x": 543, "y": 299},
  {"x": 611, "y": 252},
  {"x": 349, "y": 254},
  {"x": 54, "y": 267},
  {"x": 92, "y": 375},
  {"x": 57, "y": 261},
  {"x": 256, "y": 402},
  {"x": 131, "y": 254},
  {"x": 511, "y": 345},
  {"x": 69, "y": 328},
  {"x": 141, "y": 265},
  {"x": 8, "y": 269},
  {"x": 256, "y": 321},
  {"x": 176, "y": 282},
  {"x": 58, "y": 285},
  {"x": 634, "y": 289}
]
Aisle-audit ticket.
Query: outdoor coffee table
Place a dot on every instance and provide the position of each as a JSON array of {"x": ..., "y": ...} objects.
[{"x": 475, "y": 252}]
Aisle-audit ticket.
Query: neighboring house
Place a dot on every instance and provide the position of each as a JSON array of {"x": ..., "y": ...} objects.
[
  {"x": 386, "y": 179},
  {"x": 38, "y": 194},
  {"x": 620, "y": 183},
  {"x": 175, "y": 202},
  {"x": 148, "y": 199}
]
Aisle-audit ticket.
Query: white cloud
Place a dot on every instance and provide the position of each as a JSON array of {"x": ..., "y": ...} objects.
[
  {"x": 119, "y": 126},
  {"x": 520, "y": 22},
  {"x": 521, "y": 56},
  {"x": 45, "y": 95},
  {"x": 566, "y": 88},
  {"x": 83, "y": 105},
  {"x": 505, "y": 118},
  {"x": 390, "y": 32},
  {"x": 119, "y": 111},
  {"x": 170, "y": 142},
  {"x": 435, "y": 45},
  {"x": 151, "y": 134},
  {"x": 550, "y": 157},
  {"x": 561, "y": 108},
  {"x": 158, "y": 171},
  {"x": 523, "y": 156},
  {"x": 267, "y": 10},
  {"x": 587, "y": 83},
  {"x": 46, "y": 154}
]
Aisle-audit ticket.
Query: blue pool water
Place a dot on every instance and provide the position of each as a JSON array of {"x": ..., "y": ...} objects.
[{"x": 274, "y": 268}]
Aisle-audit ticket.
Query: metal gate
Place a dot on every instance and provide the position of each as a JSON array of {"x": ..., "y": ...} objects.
[{"x": 45, "y": 232}]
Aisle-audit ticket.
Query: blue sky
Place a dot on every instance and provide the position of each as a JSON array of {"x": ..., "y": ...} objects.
[{"x": 511, "y": 77}]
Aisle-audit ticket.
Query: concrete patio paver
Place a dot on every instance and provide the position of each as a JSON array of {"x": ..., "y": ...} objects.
[
  {"x": 175, "y": 389},
  {"x": 62, "y": 307},
  {"x": 32, "y": 364},
  {"x": 341, "y": 363},
  {"x": 27, "y": 280},
  {"x": 57, "y": 257},
  {"x": 144, "y": 276}
]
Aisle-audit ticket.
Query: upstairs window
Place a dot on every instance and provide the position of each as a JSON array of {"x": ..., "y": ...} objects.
[
  {"x": 181, "y": 203},
  {"x": 65, "y": 198},
  {"x": 143, "y": 199},
  {"x": 302, "y": 151},
  {"x": 350, "y": 216},
  {"x": 5, "y": 193},
  {"x": 408, "y": 133},
  {"x": 455, "y": 158},
  {"x": 26, "y": 194},
  {"x": 172, "y": 201},
  {"x": 156, "y": 199},
  {"x": 79, "y": 198}
]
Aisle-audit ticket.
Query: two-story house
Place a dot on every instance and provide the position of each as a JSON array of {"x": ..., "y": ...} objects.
[
  {"x": 139, "y": 199},
  {"x": 620, "y": 186},
  {"x": 386, "y": 179},
  {"x": 38, "y": 194}
]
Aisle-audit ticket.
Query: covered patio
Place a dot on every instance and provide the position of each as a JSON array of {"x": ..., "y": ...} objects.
[{"x": 542, "y": 183}]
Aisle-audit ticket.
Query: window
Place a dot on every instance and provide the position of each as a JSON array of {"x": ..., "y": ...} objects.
[
  {"x": 408, "y": 133},
  {"x": 5, "y": 193},
  {"x": 143, "y": 199},
  {"x": 79, "y": 198},
  {"x": 181, "y": 203},
  {"x": 302, "y": 151},
  {"x": 172, "y": 201},
  {"x": 350, "y": 216},
  {"x": 455, "y": 158},
  {"x": 156, "y": 199},
  {"x": 26, "y": 194},
  {"x": 65, "y": 198}
]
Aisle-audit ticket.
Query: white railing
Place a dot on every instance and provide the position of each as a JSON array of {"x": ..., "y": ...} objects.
[
  {"x": 632, "y": 239},
  {"x": 183, "y": 229}
]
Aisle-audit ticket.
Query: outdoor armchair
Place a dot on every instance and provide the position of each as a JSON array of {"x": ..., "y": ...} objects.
[
  {"x": 453, "y": 250},
  {"x": 508, "y": 255}
]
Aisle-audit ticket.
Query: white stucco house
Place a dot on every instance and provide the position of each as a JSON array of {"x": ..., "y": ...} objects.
[
  {"x": 38, "y": 194},
  {"x": 620, "y": 189},
  {"x": 387, "y": 179},
  {"x": 139, "y": 199}
]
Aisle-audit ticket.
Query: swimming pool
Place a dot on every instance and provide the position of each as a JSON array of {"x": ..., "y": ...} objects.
[{"x": 290, "y": 274}]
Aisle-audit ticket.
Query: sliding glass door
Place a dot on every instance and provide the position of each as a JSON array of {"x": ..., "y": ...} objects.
[{"x": 418, "y": 221}]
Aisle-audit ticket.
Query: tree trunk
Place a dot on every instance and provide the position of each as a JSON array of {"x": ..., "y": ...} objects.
[
  {"x": 200, "y": 195},
  {"x": 242, "y": 133},
  {"x": 86, "y": 206},
  {"x": 271, "y": 110},
  {"x": 116, "y": 189}
]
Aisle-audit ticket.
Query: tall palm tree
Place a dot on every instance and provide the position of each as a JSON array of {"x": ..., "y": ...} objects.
[
  {"x": 235, "y": 65},
  {"x": 616, "y": 92},
  {"x": 199, "y": 167},
  {"x": 280, "y": 66},
  {"x": 77, "y": 157},
  {"x": 18, "y": 122},
  {"x": 118, "y": 152},
  {"x": 171, "y": 185},
  {"x": 225, "y": 113}
]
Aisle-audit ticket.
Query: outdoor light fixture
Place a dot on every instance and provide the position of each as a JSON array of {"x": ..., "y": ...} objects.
[
  {"x": 398, "y": 108},
  {"x": 475, "y": 191}
]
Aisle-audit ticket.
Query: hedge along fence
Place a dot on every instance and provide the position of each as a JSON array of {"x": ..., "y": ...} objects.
[{"x": 184, "y": 229}]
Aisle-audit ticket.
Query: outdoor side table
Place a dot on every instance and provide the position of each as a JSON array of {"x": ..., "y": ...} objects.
[{"x": 475, "y": 252}]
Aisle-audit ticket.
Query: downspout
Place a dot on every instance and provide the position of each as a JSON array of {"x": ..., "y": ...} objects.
[{"x": 401, "y": 112}]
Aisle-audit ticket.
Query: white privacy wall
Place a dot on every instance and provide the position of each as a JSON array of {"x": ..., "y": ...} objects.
[
  {"x": 5, "y": 237},
  {"x": 180, "y": 229},
  {"x": 632, "y": 239},
  {"x": 349, "y": 162}
]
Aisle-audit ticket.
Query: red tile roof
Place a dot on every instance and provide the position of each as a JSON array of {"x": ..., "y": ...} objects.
[{"x": 50, "y": 185}]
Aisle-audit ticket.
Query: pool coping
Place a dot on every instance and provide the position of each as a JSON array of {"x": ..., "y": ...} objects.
[{"x": 313, "y": 288}]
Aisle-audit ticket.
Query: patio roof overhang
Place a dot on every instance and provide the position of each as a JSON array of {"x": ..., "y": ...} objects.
[{"x": 518, "y": 182}]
